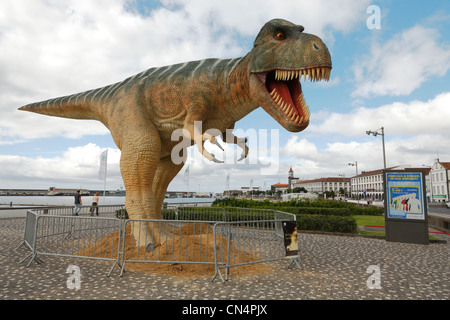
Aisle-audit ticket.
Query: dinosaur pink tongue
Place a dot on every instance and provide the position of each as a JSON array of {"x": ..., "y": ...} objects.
[{"x": 282, "y": 90}]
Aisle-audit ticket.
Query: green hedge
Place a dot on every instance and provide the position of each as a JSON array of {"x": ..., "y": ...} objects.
[
  {"x": 304, "y": 203},
  {"x": 317, "y": 211},
  {"x": 326, "y": 223}
]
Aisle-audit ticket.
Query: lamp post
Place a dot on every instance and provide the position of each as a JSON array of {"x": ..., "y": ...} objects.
[
  {"x": 375, "y": 133},
  {"x": 356, "y": 177},
  {"x": 344, "y": 187}
]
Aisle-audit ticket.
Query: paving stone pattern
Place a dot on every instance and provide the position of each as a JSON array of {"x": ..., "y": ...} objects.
[{"x": 335, "y": 268}]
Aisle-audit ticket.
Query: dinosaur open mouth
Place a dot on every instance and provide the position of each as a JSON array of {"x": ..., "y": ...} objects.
[{"x": 285, "y": 90}]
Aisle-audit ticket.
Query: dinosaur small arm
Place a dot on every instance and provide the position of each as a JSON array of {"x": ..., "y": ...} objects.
[{"x": 143, "y": 111}]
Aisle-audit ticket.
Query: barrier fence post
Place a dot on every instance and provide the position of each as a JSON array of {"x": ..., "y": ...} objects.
[{"x": 30, "y": 235}]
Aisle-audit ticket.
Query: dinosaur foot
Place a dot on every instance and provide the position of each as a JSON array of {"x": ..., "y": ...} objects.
[{"x": 216, "y": 160}]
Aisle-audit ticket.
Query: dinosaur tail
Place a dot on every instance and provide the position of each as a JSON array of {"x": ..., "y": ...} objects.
[{"x": 84, "y": 105}]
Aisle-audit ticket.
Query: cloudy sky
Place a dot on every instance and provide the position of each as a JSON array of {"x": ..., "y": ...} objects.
[{"x": 389, "y": 70}]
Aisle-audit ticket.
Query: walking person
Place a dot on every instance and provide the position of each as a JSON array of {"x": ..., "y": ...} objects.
[
  {"x": 94, "y": 204},
  {"x": 78, "y": 202}
]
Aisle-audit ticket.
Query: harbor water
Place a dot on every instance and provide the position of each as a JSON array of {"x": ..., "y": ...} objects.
[{"x": 28, "y": 201}]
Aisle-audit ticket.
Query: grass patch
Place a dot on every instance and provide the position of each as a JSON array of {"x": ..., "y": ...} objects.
[
  {"x": 369, "y": 233},
  {"x": 364, "y": 220}
]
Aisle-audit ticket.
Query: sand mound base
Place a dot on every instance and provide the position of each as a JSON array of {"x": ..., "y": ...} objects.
[{"x": 186, "y": 250}]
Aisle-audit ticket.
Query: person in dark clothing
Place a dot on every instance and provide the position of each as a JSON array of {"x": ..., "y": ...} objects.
[{"x": 78, "y": 202}]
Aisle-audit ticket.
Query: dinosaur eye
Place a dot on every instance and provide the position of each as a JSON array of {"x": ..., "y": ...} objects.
[{"x": 280, "y": 36}]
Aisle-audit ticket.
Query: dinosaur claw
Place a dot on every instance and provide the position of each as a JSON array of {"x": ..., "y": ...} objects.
[
  {"x": 218, "y": 144},
  {"x": 242, "y": 157},
  {"x": 216, "y": 160}
]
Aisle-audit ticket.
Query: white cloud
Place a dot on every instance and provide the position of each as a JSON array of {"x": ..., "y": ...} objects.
[
  {"x": 54, "y": 48},
  {"x": 402, "y": 64},
  {"x": 246, "y": 16},
  {"x": 78, "y": 166},
  {"x": 399, "y": 118}
]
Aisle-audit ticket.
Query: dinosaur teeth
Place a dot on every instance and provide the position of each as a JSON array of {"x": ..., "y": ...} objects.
[
  {"x": 313, "y": 74},
  {"x": 300, "y": 105},
  {"x": 293, "y": 116}
]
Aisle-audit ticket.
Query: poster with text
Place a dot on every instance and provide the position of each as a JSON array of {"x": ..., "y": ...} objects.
[
  {"x": 290, "y": 238},
  {"x": 405, "y": 195}
]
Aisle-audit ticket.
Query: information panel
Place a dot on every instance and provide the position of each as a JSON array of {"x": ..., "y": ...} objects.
[
  {"x": 290, "y": 238},
  {"x": 405, "y": 195}
]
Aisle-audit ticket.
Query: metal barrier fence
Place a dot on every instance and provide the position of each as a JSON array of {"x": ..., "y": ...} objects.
[
  {"x": 247, "y": 242},
  {"x": 104, "y": 210},
  {"x": 67, "y": 236},
  {"x": 222, "y": 237},
  {"x": 168, "y": 241}
]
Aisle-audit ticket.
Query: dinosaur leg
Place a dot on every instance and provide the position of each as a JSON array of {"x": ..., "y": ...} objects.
[
  {"x": 165, "y": 172},
  {"x": 141, "y": 149}
]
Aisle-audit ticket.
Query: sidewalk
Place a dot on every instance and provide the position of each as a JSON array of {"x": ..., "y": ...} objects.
[
  {"x": 335, "y": 268},
  {"x": 13, "y": 213}
]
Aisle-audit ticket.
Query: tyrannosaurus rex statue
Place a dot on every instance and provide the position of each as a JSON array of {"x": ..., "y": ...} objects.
[{"x": 143, "y": 111}]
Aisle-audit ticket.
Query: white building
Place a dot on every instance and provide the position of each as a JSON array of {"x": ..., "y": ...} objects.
[
  {"x": 325, "y": 184},
  {"x": 439, "y": 181},
  {"x": 370, "y": 183}
]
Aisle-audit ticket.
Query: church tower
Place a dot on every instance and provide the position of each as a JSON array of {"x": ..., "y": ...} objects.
[{"x": 290, "y": 177}]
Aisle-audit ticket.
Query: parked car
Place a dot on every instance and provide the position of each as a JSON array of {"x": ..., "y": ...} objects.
[{"x": 447, "y": 204}]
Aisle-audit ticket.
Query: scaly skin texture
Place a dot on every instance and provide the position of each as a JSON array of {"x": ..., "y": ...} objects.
[{"x": 143, "y": 111}]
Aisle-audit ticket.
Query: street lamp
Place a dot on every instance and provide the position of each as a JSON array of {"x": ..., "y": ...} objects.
[
  {"x": 375, "y": 133},
  {"x": 356, "y": 177},
  {"x": 344, "y": 185}
]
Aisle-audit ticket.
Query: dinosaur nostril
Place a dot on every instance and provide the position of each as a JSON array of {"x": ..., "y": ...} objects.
[{"x": 315, "y": 46}]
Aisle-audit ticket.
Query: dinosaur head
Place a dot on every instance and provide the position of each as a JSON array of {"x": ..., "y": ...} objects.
[{"x": 281, "y": 55}]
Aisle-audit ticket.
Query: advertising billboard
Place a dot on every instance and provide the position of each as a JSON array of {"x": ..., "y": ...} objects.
[
  {"x": 405, "y": 198},
  {"x": 406, "y": 212}
]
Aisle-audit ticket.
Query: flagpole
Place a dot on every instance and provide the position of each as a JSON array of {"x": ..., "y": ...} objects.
[
  {"x": 227, "y": 184},
  {"x": 186, "y": 178},
  {"x": 104, "y": 180}
]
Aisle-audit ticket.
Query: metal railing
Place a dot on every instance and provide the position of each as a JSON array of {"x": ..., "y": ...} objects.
[
  {"x": 104, "y": 210},
  {"x": 67, "y": 236},
  {"x": 168, "y": 241},
  {"x": 222, "y": 237}
]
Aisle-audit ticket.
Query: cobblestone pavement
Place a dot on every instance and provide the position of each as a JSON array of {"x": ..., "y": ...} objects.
[{"x": 335, "y": 268}]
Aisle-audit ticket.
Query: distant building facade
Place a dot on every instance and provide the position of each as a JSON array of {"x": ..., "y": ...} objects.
[
  {"x": 439, "y": 185},
  {"x": 370, "y": 184},
  {"x": 323, "y": 185},
  {"x": 279, "y": 187}
]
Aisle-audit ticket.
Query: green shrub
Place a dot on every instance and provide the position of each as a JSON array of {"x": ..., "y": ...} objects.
[
  {"x": 317, "y": 210},
  {"x": 326, "y": 223},
  {"x": 287, "y": 206}
]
